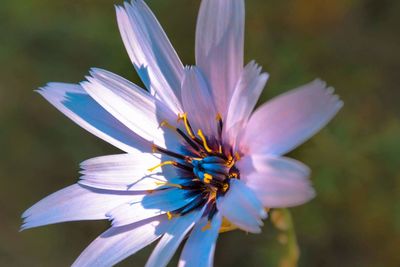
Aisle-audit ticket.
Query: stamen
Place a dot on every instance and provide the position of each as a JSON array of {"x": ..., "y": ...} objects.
[
  {"x": 169, "y": 214},
  {"x": 169, "y": 162},
  {"x": 220, "y": 123},
  {"x": 169, "y": 184},
  {"x": 156, "y": 148},
  {"x": 206, "y": 227},
  {"x": 203, "y": 138},
  {"x": 187, "y": 125},
  {"x": 225, "y": 188},
  {"x": 207, "y": 178},
  {"x": 165, "y": 123}
]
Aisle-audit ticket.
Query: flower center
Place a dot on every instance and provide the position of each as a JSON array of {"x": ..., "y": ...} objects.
[{"x": 204, "y": 171}]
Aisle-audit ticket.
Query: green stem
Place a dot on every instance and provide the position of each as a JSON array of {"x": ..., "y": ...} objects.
[{"x": 282, "y": 220}]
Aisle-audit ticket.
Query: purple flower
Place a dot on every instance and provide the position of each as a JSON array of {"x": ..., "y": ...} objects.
[{"x": 198, "y": 161}]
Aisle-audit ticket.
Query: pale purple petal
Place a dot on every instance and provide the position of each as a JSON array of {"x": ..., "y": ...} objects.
[
  {"x": 277, "y": 181},
  {"x": 287, "y": 121},
  {"x": 241, "y": 207},
  {"x": 134, "y": 107},
  {"x": 118, "y": 243},
  {"x": 73, "y": 203},
  {"x": 247, "y": 92},
  {"x": 170, "y": 241},
  {"x": 150, "y": 205},
  {"x": 76, "y": 104},
  {"x": 219, "y": 47},
  {"x": 200, "y": 246},
  {"x": 125, "y": 172},
  {"x": 151, "y": 52},
  {"x": 198, "y": 102}
]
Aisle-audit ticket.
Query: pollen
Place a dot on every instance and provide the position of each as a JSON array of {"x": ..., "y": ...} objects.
[{"x": 207, "y": 178}]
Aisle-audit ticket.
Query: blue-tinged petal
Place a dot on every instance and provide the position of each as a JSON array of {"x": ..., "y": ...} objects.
[
  {"x": 151, "y": 52},
  {"x": 170, "y": 241},
  {"x": 288, "y": 120},
  {"x": 134, "y": 107},
  {"x": 277, "y": 181},
  {"x": 241, "y": 207},
  {"x": 219, "y": 47},
  {"x": 74, "y": 203},
  {"x": 118, "y": 243},
  {"x": 150, "y": 205},
  {"x": 198, "y": 102},
  {"x": 125, "y": 172},
  {"x": 200, "y": 246},
  {"x": 79, "y": 106},
  {"x": 245, "y": 96}
]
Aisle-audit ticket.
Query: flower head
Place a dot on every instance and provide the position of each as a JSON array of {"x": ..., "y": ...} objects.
[{"x": 198, "y": 160}]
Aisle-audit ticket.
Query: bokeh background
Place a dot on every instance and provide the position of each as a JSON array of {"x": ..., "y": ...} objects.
[{"x": 352, "y": 44}]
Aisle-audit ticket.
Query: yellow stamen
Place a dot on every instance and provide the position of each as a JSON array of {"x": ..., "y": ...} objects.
[
  {"x": 218, "y": 117},
  {"x": 203, "y": 138},
  {"x": 169, "y": 162},
  {"x": 220, "y": 149},
  {"x": 165, "y": 123},
  {"x": 237, "y": 156},
  {"x": 153, "y": 148},
  {"x": 226, "y": 226},
  {"x": 225, "y": 187},
  {"x": 168, "y": 184},
  {"x": 185, "y": 121},
  {"x": 207, "y": 178},
  {"x": 206, "y": 227},
  {"x": 169, "y": 214}
]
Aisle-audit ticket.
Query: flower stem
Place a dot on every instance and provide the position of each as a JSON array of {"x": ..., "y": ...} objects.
[{"x": 282, "y": 220}]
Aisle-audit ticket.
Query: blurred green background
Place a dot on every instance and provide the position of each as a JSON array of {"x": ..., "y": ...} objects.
[{"x": 352, "y": 44}]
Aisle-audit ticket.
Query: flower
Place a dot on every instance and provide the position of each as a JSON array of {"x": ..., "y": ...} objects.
[{"x": 197, "y": 160}]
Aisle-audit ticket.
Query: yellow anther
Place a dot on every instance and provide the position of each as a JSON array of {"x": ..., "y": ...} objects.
[
  {"x": 206, "y": 227},
  {"x": 169, "y": 214},
  {"x": 220, "y": 149},
  {"x": 183, "y": 117},
  {"x": 154, "y": 148},
  {"x": 218, "y": 117},
  {"x": 203, "y": 138},
  {"x": 234, "y": 175},
  {"x": 165, "y": 123},
  {"x": 225, "y": 187},
  {"x": 237, "y": 156},
  {"x": 207, "y": 178},
  {"x": 168, "y": 184},
  {"x": 230, "y": 162},
  {"x": 162, "y": 164}
]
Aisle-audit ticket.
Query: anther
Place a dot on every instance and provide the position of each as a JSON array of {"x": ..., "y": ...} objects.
[
  {"x": 187, "y": 125},
  {"x": 168, "y": 184},
  {"x": 169, "y": 162},
  {"x": 203, "y": 138},
  {"x": 169, "y": 214},
  {"x": 207, "y": 178},
  {"x": 225, "y": 188}
]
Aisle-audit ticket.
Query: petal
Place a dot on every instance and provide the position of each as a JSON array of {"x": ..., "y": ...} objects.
[
  {"x": 241, "y": 207},
  {"x": 200, "y": 246},
  {"x": 219, "y": 46},
  {"x": 132, "y": 106},
  {"x": 150, "y": 205},
  {"x": 76, "y": 104},
  {"x": 244, "y": 99},
  {"x": 277, "y": 181},
  {"x": 287, "y": 121},
  {"x": 170, "y": 241},
  {"x": 73, "y": 203},
  {"x": 198, "y": 102},
  {"x": 118, "y": 243},
  {"x": 124, "y": 172},
  {"x": 151, "y": 52}
]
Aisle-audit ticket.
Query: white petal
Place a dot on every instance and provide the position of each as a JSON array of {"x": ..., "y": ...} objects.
[
  {"x": 200, "y": 246},
  {"x": 219, "y": 46},
  {"x": 169, "y": 243},
  {"x": 125, "y": 172},
  {"x": 244, "y": 99},
  {"x": 151, "y": 52},
  {"x": 277, "y": 181},
  {"x": 118, "y": 243},
  {"x": 76, "y": 104},
  {"x": 134, "y": 107},
  {"x": 73, "y": 203},
  {"x": 150, "y": 205},
  {"x": 241, "y": 207},
  {"x": 287, "y": 121},
  {"x": 198, "y": 102}
]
